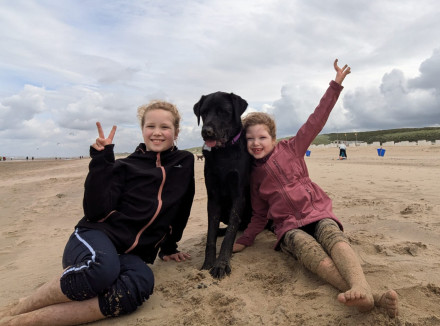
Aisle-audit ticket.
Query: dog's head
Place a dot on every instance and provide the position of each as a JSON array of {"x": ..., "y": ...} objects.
[{"x": 221, "y": 116}]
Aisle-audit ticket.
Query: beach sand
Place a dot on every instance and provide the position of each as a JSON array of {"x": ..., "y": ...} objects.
[{"x": 390, "y": 208}]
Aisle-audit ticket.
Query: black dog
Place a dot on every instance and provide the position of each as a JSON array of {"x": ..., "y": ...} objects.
[{"x": 227, "y": 169}]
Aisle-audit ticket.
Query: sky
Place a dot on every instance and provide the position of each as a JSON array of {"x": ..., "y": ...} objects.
[{"x": 66, "y": 64}]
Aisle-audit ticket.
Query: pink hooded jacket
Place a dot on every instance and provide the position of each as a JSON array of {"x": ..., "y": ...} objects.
[{"x": 281, "y": 189}]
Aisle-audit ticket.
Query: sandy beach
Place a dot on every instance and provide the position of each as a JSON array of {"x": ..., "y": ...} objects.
[{"x": 390, "y": 208}]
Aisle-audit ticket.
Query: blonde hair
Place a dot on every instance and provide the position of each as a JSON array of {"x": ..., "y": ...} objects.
[
  {"x": 260, "y": 118},
  {"x": 159, "y": 105}
]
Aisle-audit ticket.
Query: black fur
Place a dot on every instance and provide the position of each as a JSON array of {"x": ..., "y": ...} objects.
[{"x": 227, "y": 169}]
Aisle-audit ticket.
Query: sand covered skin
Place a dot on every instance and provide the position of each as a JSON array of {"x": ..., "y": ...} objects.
[{"x": 389, "y": 206}]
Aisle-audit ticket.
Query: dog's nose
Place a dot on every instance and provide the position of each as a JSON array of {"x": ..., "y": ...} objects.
[{"x": 207, "y": 132}]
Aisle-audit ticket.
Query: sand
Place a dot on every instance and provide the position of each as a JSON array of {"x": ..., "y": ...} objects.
[{"x": 390, "y": 208}]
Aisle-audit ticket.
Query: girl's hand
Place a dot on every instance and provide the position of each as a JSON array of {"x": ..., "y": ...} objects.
[
  {"x": 180, "y": 256},
  {"x": 341, "y": 72},
  {"x": 101, "y": 141}
]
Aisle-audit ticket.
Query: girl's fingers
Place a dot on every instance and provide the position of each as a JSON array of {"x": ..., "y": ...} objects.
[
  {"x": 112, "y": 133},
  {"x": 100, "y": 132}
]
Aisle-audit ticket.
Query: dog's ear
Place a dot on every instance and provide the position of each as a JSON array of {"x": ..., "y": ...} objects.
[
  {"x": 197, "y": 107},
  {"x": 239, "y": 105}
]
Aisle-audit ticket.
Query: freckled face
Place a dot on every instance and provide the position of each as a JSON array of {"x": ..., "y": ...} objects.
[
  {"x": 158, "y": 131},
  {"x": 259, "y": 141}
]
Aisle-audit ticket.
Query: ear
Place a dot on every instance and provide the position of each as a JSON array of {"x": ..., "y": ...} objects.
[
  {"x": 197, "y": 107},
  {"x": 239, "y": 105}
]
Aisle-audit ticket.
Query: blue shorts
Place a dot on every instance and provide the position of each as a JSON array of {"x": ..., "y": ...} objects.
[{"x": 93, "y": 268}]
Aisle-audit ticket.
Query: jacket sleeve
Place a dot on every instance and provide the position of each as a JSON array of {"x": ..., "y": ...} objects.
[
  {"x": 102, "y": 185},
  {"x": 317, "y": 120},
  {"x": 169, "y": 245},
  {"x": 258, "y": 221}
]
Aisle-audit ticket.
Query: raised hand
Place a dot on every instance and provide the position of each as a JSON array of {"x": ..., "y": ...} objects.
[
  {"x": 341, "y": 73},
  {"x": 101, "y": 141}
]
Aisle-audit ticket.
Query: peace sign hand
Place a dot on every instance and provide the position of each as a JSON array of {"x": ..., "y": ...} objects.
[
  {"x": 101, "y": 141},
  {"x": 341, "y": 73}
]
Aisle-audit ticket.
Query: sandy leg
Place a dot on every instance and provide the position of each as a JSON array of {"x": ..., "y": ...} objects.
[
  {"x": 359, "y": 293},
  {"x": 4, "y": 320},
  {"x": 7, "y": 310},
  {"x": 67, "y": 313}
]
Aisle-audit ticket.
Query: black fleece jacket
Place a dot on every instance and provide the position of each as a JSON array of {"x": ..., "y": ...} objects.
[{"x": 142, "y": 202}]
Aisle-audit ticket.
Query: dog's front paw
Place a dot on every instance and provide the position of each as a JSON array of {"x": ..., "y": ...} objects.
[
  {"x": 220, "y": 270},
  {"x": 206, "y": 267},
  {"x": 207, "y": 264}
]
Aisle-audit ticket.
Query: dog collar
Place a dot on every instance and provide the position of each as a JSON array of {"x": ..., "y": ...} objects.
[
  {"x": 231, "y": 142},
  {"x": 236, "y": 138}
]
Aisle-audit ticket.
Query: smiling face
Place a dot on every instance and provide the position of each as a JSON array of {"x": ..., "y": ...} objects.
[
  {"x": 259, "y": 142},
  {"x": 158, "y": 130}
]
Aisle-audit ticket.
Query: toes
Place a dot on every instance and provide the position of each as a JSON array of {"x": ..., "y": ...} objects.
[{"x": 342, "y": 298}]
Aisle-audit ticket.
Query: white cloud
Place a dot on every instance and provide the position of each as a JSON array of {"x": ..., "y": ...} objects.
[{"x": 64, "y": 65}]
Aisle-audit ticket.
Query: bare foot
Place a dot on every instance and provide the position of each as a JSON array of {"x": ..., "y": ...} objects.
[
  {"x": 357, "y": 297},
  {"x": 238, "y": 247},
  {"x": 388, "y": 301}
]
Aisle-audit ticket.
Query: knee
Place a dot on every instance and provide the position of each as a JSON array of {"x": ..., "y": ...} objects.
[
  {"x": 328, "y": 235},
  {"x": 86, "y": 280},
  {"x": 326, "y": 265},
  {"x": 133, "y": 286}
]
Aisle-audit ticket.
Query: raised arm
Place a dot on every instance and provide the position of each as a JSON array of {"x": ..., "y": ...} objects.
[
  {"x": 102, "y": 185},
  {"x": 318, "y": 118}
]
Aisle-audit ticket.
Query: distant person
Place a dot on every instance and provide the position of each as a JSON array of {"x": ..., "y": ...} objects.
[
  {"x": 342, "y": 151},
  {"x": 303, "y": 220},
  {"x": 135, "y": 208}
]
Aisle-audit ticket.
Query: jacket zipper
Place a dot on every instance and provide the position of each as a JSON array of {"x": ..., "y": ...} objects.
[
  {"x": 159, "y": 206},
  {"x": 280, "y": 171}
]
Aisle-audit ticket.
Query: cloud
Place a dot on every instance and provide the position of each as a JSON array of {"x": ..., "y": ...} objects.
[
  {"x": 396, "y": 102},
  {"x": 22, "y": 106},
  {"x": 429, "y": 74},
  {"x": 65, "y": 65}
]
